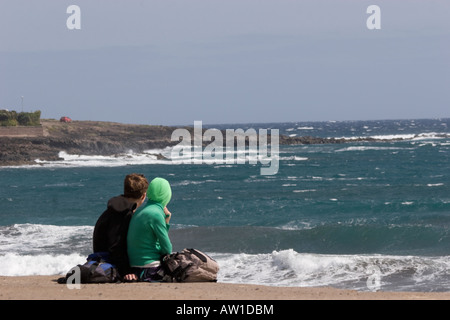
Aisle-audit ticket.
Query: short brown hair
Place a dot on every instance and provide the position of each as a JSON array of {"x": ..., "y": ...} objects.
[{"x": 135, "y": 186}]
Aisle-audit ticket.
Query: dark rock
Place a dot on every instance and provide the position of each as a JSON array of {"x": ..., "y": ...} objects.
[{"x": 104, "y": 138}]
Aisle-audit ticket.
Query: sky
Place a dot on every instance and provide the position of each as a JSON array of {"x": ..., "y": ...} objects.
[{"x": 172, "y": 62}]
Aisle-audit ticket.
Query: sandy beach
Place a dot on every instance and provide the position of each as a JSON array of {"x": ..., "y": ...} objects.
[{"x": 46, "y": 288}]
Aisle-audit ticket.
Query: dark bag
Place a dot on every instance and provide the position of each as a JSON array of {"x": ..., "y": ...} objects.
[
  {"x": 97, "y": 269},
  {"x": 189, "y": 265}
]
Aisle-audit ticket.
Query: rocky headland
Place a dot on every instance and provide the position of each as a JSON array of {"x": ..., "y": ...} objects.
[{"x": 101, "y": 138}]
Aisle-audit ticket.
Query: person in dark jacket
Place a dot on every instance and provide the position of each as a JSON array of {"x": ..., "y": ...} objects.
[{"x": 111, "y": 229}]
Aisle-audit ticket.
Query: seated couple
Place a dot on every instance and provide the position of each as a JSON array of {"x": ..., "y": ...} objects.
[{"x": 136, "y": 241}]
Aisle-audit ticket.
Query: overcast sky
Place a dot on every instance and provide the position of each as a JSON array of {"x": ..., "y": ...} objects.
[{"x": 226, "y": 61}]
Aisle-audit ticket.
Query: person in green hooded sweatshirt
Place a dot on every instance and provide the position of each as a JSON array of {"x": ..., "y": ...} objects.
[{"x": 148, "y": 233}]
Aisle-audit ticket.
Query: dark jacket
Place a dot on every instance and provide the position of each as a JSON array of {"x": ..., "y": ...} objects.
[{"x": 110, "y": 232}]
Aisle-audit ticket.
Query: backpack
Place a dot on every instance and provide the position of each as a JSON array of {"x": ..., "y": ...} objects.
[
  {"x": 189, "y": 265},
  {"x": 97, "y": 269}
]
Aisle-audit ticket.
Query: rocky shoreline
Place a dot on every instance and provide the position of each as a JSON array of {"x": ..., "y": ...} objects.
[{"x": 102, "y": 138}]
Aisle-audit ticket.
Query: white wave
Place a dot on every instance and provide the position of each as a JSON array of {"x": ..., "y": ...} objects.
[
  {"x": 37, "y": 239},
  {"x": 409, "y": 136},
  {"x": 431, "y": 135},
  {"x": 152, "y": 157},
  {"x": 63, "y": 184},
  {"x": 295, "y": 225},
  {"x": 306, "y": 190},
  {"x": 393, "y": 137},
  {"x": 290, "y": 268},
  {"x": 192, "y": 182},
  {"x": 380, "y": 137},
  {"x": 281, "y": 268},
  {"x": 366, "y": 148},
  {"x": 163, "y": 151},
  {"x": 71, "y": 160},
  {"x": 36, "y": 249},
  {"x": 43, "y": 264},
  {"x": 296, "y": 158}
]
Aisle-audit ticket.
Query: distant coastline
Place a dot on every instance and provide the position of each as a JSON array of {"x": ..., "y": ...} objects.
[
  {"x": 102, "y": 138},
  {"x": 80, "y": 137}
]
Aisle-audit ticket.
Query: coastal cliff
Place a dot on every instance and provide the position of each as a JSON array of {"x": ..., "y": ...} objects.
[
  {"x": 81, "y": 137},
  {"x": 99, "y": 138}
]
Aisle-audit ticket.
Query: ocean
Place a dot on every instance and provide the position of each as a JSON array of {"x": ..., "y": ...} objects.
[{"x": 357, "y": 215}]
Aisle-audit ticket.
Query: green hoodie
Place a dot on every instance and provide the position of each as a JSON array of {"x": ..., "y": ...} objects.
[{"x": 148, "y": 237}]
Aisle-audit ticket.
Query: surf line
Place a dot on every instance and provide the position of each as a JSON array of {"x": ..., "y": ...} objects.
[{"x": 240, "y": 146}]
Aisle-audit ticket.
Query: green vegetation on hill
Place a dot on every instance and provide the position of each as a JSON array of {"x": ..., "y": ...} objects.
[{"x": 12, "y": 118}]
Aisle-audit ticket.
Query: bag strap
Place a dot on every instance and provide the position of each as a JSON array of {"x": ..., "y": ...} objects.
[{"x": 198, "y": 255}]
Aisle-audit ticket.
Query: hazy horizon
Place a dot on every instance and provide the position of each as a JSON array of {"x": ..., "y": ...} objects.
[{"x": 246, "y": 61}]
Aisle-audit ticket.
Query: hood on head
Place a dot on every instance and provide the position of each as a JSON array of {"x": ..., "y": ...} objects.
[{"x": 159, "y": 191}]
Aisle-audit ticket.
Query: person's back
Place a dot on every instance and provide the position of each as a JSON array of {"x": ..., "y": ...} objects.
[
  {"x": 148, "y": 238},
  {"x": 110, "y": 232}
]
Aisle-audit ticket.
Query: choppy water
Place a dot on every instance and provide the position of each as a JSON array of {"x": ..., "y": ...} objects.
[{"x": 334, "y": 214}]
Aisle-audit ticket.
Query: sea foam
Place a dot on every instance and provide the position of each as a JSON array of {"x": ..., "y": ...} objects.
[
  {"x": 43, "y": 264},
  {"x": 290, "y": 268}
]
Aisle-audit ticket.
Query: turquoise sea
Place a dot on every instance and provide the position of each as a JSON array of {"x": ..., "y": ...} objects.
[{"x": 361, "y": 215}]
